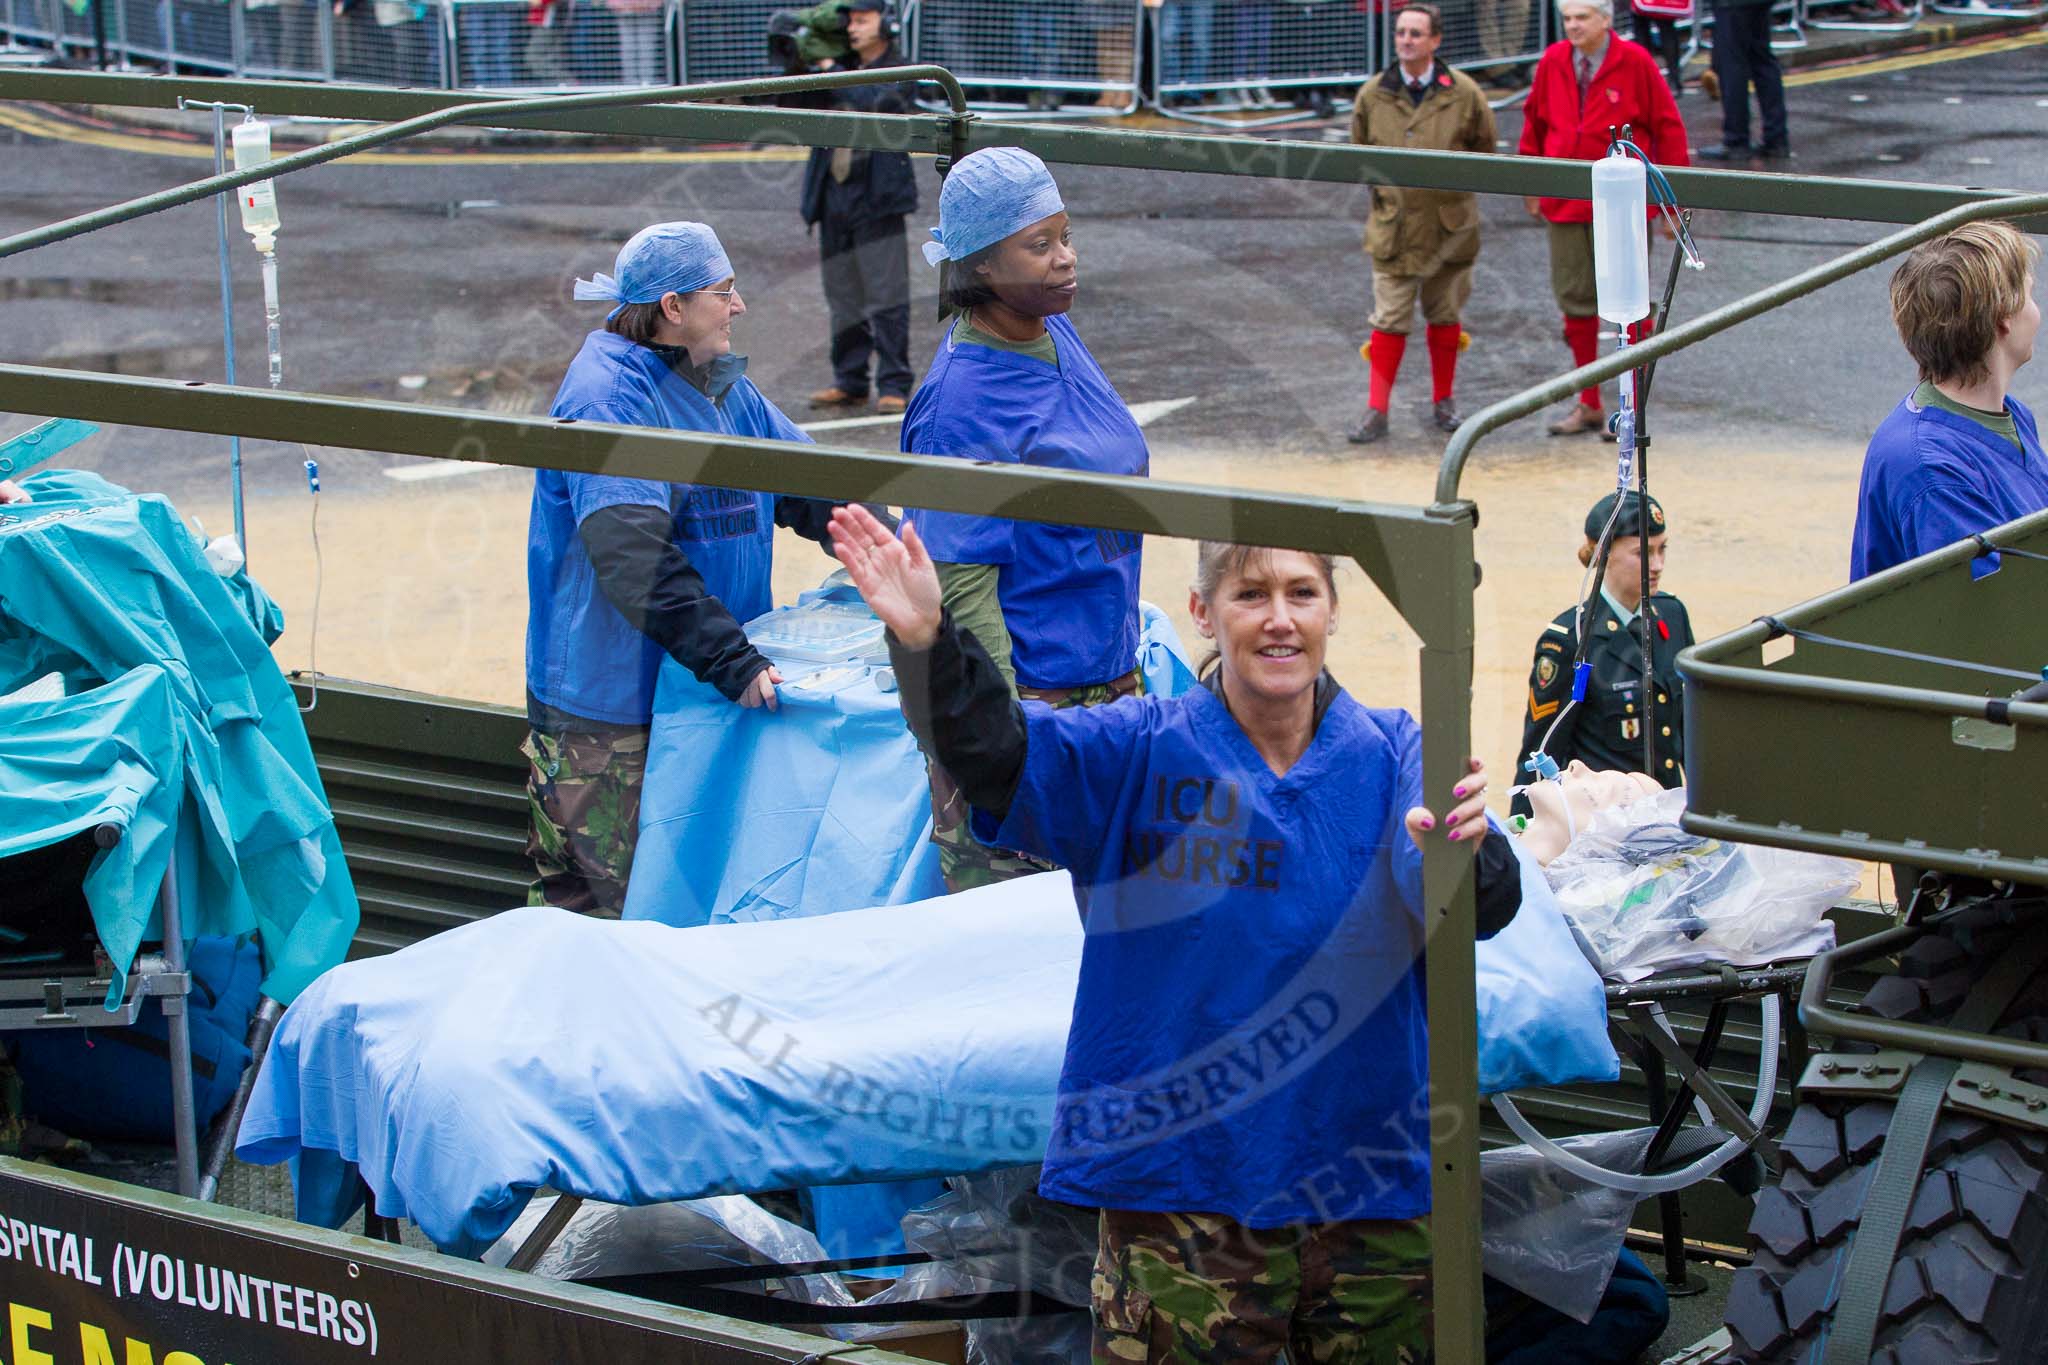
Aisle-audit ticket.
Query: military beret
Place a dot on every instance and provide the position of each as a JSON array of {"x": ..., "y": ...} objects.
[{"x": 1627, "y": 524}]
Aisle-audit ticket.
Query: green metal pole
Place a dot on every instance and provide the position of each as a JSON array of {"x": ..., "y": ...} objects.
[
  {"x": 1533, "y": 399},
  {"x": 1432, "y": 587},
  {"x": 396, "y": 132}
]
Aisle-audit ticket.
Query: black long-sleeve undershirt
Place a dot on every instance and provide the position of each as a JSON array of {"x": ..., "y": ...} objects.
[
  {"x": 962, "y": 713},
  {"x": 645, "y": 574}
]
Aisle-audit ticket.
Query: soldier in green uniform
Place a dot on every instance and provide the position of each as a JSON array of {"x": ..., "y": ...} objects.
[{"x": 1605, "y": 730}]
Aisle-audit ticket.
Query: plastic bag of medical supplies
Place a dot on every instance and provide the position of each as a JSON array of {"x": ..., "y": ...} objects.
[
  {"x": 1645, "y": 895},
  {"x": 602, "y": 1240},
  {"x": 1549, "y": 1233}
]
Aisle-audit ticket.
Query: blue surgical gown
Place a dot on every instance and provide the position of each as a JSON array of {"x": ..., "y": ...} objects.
[
  {"x": 1933, "y": 477},
  {"x": 1250, "y": 1031},
  {"x": 1069, "y": 594},
  {"x": 582, "y": 656}
]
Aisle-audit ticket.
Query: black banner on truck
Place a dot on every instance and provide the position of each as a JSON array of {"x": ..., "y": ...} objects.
[{"x": 97, "y": 1273}]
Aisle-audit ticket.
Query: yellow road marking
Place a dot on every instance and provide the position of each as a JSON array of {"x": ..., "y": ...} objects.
[
  {"x": 35, "y": 125},
  {"x": 1913, "y": 59}
]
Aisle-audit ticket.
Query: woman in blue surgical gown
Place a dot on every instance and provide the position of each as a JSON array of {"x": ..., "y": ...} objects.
[{"x": 1056, "y": 607}]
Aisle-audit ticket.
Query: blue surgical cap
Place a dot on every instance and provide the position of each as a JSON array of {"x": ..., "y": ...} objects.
[
  {"x": 668, "y": 258},
  {"x": 987, "y": 196}
]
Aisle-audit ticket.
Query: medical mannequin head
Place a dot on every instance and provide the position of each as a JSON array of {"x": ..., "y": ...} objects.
[
  {"x": 1562, "y": 806},
  {"x": 1270, "y": 613}
]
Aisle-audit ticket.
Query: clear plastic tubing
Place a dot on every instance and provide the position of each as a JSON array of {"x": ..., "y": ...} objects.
[
  {"x": 1621, "y": 238},
  {"x": 1760, "y": 1108}
]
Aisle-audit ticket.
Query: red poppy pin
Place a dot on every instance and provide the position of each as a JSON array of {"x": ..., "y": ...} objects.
[{"x": 1444, "y": 81}]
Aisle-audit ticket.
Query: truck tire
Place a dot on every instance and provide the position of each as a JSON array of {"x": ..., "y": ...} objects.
[{"x": 1970, "y": 1281}]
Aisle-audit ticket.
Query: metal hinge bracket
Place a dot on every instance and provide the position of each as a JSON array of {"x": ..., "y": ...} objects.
[
  {"x": 1869, "y": 1075},
  {"x": 1992, "y": 1092}
]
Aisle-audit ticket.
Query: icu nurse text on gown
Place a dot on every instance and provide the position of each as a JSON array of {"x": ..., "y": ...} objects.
[
  {"x": 1055, "y": 606},
  {"x": 1244, "y": 1093}
]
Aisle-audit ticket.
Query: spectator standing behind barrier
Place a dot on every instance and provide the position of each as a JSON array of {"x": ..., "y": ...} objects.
[
  {"x": 1056, "y": 607},
  {"x": 1422, "y": 242},
  {"x": 857, "y": 200},
  {"x": 1605, "y": 730},
  {"x": 620, "y": 570},
  {"x": 1654, "y": 24},
  {"x": 1959, "y": 455},
  {"x": 1585, "y": 85},
  {"x": 1743, "y": 57},
  {"x": 641, "y": 59}
]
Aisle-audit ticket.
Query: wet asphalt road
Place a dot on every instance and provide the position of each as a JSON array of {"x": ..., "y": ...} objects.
[{"x": 1248, "y": 296}]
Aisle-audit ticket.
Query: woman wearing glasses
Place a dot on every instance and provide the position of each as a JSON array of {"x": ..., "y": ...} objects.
[
  {"x": 623, "y": 572},
  {"x": 1055, "y": 606}
]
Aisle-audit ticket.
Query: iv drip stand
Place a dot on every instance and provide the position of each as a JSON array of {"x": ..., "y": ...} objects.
[{"x": 227, "y": 294}]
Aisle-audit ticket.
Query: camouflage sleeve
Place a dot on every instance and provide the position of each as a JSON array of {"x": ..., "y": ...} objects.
[{"x": 1550, "y": 685}]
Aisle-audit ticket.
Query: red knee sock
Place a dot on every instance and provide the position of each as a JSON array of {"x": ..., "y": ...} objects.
[
  {"x": 1387, "y": 348},
  {"x": 1583, "y": 336},
  {"x": 1443, "y": 358}
]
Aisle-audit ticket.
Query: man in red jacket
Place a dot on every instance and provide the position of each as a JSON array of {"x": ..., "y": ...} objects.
[{"x": 1586, "y": 85}]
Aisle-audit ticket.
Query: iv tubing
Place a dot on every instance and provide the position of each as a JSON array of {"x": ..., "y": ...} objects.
[
  {"x": 227, "y": 319},
  {"x": 270, "y": 319},
  {"x": 1766, "y": 1091}
]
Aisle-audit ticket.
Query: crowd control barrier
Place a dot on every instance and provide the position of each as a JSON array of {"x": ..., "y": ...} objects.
[{"x": 1191, "y": 59}]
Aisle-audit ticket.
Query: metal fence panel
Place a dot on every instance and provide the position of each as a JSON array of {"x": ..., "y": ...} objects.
[
  {"x": 588, "y": 43},
  {"x": 202, "y": 35},
  {"x": 727, "y": 40},
  {"x": 1481, "y": 33},
  {"x": 32, "y": 21},
  {"x": 1035, "y": 45},
  {"x": 287, "y": 39},
  {"x": 391, "y": 42}
]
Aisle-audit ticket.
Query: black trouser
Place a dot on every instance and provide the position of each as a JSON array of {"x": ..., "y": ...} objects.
[
  {"x": 1660, "y": 36},
  {"x": 867, "y": 292},
  {"x": 1742, "y": 54}
]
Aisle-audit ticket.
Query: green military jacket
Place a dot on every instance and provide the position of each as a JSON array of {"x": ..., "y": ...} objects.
[
  {"x": 1606, "y": 729},
  {"x": 1413, "y": 231}
]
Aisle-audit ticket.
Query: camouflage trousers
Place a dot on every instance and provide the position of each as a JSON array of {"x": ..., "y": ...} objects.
[
  {"x": 1197, "y": 1288},
  {"x": 583, "y": 799},
  {"x": 964, "y": 861}
]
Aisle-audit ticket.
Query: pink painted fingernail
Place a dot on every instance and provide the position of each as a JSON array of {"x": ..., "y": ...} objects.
[
  {"x": 1458, "y": 792},
  {"x": 1429, "y": 822},
  {"x": 1454, "y": 836}
]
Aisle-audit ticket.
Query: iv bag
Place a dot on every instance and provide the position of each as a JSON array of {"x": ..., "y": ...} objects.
[
  {"x": 258, "y": 200},
  {"x": 1621, "y": 238}
]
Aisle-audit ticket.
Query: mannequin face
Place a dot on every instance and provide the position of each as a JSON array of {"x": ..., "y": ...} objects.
[{"x": 1560, "y": 807}]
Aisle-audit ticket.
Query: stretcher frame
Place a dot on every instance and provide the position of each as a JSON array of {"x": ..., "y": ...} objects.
[
  {"x": 31, "y": 1002},
  {"x": 1421, "y": 558}
]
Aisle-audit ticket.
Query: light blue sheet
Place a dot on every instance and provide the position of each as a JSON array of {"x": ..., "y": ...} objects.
[
  {"x": 815, "y": 808},
  {"x": 633, "y": 1062},
  {"x": 95, "y": 582}
]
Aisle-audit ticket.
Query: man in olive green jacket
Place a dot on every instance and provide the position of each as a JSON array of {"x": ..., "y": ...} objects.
[{"x": 1422, "y": 242}]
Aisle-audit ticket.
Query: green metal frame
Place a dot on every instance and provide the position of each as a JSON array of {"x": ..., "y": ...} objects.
[
  {"x": 1420, "y": 558},
  {"x": 1881, "y": 758}
]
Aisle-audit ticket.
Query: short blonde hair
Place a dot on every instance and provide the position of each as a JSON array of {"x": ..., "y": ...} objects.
[{"x": 1950, "y": 294}]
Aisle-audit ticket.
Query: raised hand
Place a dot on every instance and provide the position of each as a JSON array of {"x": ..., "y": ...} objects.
[{"x": 895, "y": 577}]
